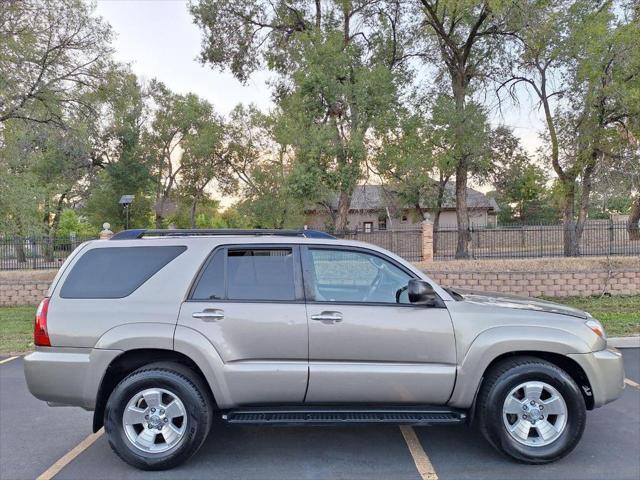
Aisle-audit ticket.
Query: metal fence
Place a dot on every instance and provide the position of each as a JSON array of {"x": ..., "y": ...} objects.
[
  {"x": 599, "y": 238},
  {"x": 405, "y": 242},
  {"x": 27, "y": 253}
]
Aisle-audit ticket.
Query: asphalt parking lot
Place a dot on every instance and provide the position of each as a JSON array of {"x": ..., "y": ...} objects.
[{"x": 33, "y": 437}]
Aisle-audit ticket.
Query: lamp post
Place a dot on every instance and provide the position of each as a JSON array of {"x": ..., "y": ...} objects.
[{"x": 125, "y": 201}]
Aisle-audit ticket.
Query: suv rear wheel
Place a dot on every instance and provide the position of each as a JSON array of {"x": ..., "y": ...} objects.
[
  {"x": 158, "y": 416},
  {"x": 531, "y": 410}
]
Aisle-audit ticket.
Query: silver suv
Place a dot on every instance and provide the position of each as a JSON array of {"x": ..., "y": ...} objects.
[{"x": 163, "y": 333}]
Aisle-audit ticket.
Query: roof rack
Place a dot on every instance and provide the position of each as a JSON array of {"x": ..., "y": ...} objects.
[{"x": 236, "y": 232}]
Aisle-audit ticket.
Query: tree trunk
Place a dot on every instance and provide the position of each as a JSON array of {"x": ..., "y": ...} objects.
[
  {"x": 18, "y": 240},
  {"x": 194, "y": 207},
  {"x": 318, "y": 15},
  {"x": 342, "y": 218},
  {"x": 462, "y": 214},
  {"x": 633, "y": 226},
  {"x": 585, "y": 198},
  {"x": 159, "y": 208},
  {"x": 442, "y": 185},
  {"x": 192, "y": 213},
  {"x": 571, "y": 246},
  {"x": 436, "y": 229}
]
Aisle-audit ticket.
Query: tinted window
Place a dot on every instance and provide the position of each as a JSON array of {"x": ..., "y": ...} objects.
[
  {"x": 211, "y": 283},
  {"x": 260, "y": 274},
  {"x": 115, "y": 272},
  {"x": 350, "y": 276}
]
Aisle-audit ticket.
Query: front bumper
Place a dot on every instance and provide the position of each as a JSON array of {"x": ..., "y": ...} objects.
[
  {"x": 605, "y": 371},
  {"x": 67, "y": 376}
]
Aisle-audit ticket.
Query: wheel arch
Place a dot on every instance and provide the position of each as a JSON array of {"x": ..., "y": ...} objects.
[
  {"x": 131, "y": 360},
  {"x": 493, "y": 345}
]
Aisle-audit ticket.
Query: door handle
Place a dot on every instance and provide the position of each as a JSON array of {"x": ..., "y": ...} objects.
[
  {"x": 209, "y": 315},
  {"x": 333, "y": 317}
]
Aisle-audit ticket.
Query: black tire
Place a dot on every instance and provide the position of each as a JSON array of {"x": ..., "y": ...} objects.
[
  {"x": 185, "y": 385},
  {"x": 506, "y": 376}
]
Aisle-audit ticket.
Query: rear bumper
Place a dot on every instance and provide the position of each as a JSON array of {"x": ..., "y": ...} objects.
[
  {"x": 605, "y": 370},
  {"x": 67, "y": 376}
]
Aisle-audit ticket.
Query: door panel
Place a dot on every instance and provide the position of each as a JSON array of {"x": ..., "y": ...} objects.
[
  {"x": 373, "y": 351},
  {"x": 263, "y": 347},
  {"x": 381, "y": 354},
  {"x": 252, "y": 331},
  {"x": 256, "y": 323},
  {"x": 343, "y": 382}
]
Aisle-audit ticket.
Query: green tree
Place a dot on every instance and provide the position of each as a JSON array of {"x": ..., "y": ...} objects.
[
  {"x": 53, "y": 161},
  {"x": 521, "y": 185},
  {"x": 178, "y": 121},
  {"x": 52, "y": 52},
  {"x": 262, "y": 167},
  {"x": 468, "y": 37},
  {"x": 580, "y": 60},
  {"x": 205, "y": 159},
  {"x": 339, "y": 65},
  {"x": 73, "y": 224},
  {"x": 419, "y": 157},
  {"x": 119, "y": 165},
  {"x": 20, "y": 187}
]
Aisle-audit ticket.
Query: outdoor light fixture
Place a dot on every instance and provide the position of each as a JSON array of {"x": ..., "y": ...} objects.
[{"x": 125, "y": 201}]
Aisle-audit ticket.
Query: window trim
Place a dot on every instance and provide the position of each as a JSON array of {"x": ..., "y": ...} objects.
[
  {"x": 309, "y": 277},
  {"x": 364, "y": 226},
  {"x": 298, "y": 285}
]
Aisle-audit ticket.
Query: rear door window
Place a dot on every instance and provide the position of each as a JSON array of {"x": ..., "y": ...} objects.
[
  {"x": 260, "y": 274},
  {"x": 116, "y": 272},
  {"x": 254, "y": 274}
]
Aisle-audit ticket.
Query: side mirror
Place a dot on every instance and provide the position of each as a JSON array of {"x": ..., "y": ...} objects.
[{"x": 422, "y": 293}]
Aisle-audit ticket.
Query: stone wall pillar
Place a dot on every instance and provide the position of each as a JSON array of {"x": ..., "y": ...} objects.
[
  {"x": 106, "y": 232},
  {"x": 427, "y": 241}
]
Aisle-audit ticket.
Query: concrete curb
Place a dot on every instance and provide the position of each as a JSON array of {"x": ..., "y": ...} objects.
[{"x": 624, "y": 342}]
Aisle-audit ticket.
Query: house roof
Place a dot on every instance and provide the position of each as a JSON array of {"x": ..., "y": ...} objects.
[{"x": 374, "y": 197}]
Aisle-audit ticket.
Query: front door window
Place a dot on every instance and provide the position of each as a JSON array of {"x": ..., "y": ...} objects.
[{"x": 354, "y": 276}]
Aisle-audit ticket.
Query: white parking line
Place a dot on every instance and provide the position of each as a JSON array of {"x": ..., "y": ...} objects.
[
  {"x": 632, "y": 383},
  {"x": 420, "y": 457},
  {"x": 7, "y": 360},
  {"x": 68, "y": 457}
]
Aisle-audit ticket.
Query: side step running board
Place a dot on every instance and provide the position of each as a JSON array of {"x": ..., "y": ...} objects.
[{"x": 339, "y": 416}]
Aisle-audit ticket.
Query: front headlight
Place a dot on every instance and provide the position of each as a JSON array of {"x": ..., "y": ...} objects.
[{"x": 596, "y": 327}]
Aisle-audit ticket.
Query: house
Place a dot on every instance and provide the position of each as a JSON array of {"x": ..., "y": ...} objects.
[{"x": 376, "y": 207}]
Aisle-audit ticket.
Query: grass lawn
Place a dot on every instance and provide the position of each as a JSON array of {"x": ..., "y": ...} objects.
[
  {"x": 16, "y": 329},
  {"x": 620, "y": 316}
]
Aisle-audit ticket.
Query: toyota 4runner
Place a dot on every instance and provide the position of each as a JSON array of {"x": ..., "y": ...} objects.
[{"x": 163, "y": 333}]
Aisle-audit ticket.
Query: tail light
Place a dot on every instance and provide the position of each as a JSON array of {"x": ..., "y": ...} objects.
[{"x": 40, "y": 334}]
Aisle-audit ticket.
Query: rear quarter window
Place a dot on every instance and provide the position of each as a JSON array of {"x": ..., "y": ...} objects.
[{"x": 116, "y": 272}]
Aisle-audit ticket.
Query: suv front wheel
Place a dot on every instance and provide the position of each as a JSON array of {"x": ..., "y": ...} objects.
[
  {"x": 158, "y": 416},
  {"x": 531, "y": 410}
]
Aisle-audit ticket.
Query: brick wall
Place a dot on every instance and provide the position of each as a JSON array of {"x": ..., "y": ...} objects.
[
  {"x": 547, "y": 283},
  {"x": 28, "y": 287},
  {"x": 24, "y": 287}
]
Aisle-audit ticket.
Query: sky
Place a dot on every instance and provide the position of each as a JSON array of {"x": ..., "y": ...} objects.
[{"x": 159, "y": 40}]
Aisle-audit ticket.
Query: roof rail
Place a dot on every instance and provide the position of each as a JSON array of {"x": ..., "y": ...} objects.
[{"x": 142, "y": 232}]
